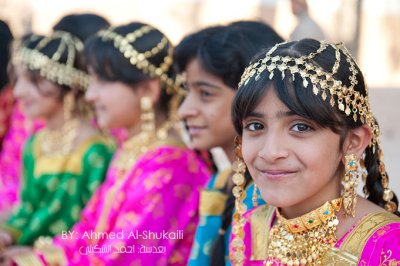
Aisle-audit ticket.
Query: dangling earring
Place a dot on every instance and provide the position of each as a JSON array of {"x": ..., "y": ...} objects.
[
  {"x": 68, "y": 106},
  {"x": 147, "y": 116},
  {"x": 350, "y": 183},
  {"x": 364, "y": 178},
  {"x": 239, "y": 167},
  {"x": 254, "y": 198},
  {"x": 388, "y": 195}
]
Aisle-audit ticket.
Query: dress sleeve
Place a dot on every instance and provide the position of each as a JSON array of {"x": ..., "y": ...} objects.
[
  {"x": 24, "y": 211},
  {"x": 151, "y": 217},
  {"x": 160, "y": 210},
  {"x": 95, "y": 165}
]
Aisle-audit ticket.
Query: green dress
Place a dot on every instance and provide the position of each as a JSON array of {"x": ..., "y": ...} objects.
[{"x": 55, "y": 188}]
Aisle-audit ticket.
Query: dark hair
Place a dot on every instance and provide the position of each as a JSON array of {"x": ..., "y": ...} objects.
[
  {"x": 81, "y": 25},
  {"x": 303, "y": 102},
  {"x": 111, "y": 65},
  {"x": 6, "y": 38},
  {"x": 225, "y": 51}
]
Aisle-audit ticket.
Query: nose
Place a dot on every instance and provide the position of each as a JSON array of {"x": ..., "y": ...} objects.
[
  {"x": 188, "y": 107},
  {"x": 275, "y": 146},
  {"x": 91, "y": 93},
  {"x": 20, "y": 88}
]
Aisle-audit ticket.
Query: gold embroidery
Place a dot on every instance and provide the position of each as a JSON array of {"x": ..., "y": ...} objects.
[
  {"x": 260, "y": 221},
  {"x": 158, "y": 179},
  {"x": 337, "y": 257},
  {"x": 357, "y": 239},
  {"x": 212, "y": 202},
  {"x": 386, "y": 255},
  {"x": 222, "y": 178},
  {"x": 71, "y": 163}
]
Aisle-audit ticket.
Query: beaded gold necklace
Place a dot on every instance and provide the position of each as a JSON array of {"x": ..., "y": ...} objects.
[
  {"x": 138, "y": 145},
  {"x": 59, "y": 141},
  {"x": 305, "y": 239}
]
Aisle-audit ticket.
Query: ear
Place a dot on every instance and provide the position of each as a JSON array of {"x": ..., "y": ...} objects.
[
  {"x": 150, "y": 88},
  {"x": 357, "y": 141}
]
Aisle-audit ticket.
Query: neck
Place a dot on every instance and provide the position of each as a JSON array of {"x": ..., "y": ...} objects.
[
  {"x": 330, "y": 192},
  {"x": 55, "y": 121},
  {"x": 135, "y": 129}
]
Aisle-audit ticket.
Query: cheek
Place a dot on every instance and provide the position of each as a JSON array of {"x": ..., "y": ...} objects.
[{"x": 249, "y": 150}]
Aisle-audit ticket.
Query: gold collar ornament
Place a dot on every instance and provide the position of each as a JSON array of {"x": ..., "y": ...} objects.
[
  {"x": 59, "y": 142},
  {"x": 305, "y": 239}
]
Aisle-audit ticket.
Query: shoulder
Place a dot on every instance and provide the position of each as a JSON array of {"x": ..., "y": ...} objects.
[
  {"x": 383, "y": 244},
  {"x": 257, "y": 227},
  {"x": 177, "y": 157},
  {"x": 370, "y": 236}
]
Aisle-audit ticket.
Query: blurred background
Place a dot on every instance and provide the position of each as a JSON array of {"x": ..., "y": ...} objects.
[{"x": 370, "y": 29}]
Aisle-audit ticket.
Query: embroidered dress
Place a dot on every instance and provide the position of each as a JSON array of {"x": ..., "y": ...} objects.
[
  {"x": 212, "y": 205},
  {"x": 55, "y": 188},
  {"x": 375, "y": 240},
  {"x": 145, "y": 216}
]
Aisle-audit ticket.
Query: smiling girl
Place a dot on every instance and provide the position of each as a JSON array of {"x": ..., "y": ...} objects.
[
  {"x": 153, "y": 181},
  {"x": 307, "y": 135},
  {"x": 64, "y": 163}
]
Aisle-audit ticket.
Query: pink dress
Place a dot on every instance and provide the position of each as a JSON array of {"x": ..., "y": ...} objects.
[
  {"x": 11, "y": 157},
  {"x": 146, "y": 217}
]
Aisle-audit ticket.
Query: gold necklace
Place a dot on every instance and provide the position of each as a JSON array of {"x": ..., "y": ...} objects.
[
  {"x": 305, "y": 239},
  {"x": 59, "y": 141},
  {"x": 138, "y": 145}
]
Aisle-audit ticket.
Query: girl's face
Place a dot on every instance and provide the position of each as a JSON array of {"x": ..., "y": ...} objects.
[
  {"x": 206, "y": 109},
  {"x": 291, "y": 159},
  {"x": 116, "y": 104},
  {"x": 39, "y": 98}
]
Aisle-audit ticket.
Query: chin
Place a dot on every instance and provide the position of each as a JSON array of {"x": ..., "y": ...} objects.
[
  {"x": 103, "y": 124},
  {"x": 199, "y": 145},
  {"x": 274, "y": 200}
]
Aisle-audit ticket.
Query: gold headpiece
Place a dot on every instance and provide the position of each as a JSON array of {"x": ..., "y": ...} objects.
[
  {"x": 322, "y": 82},
  {"x": 140, "y": 60},
  {"x": 50, "y": 67}
]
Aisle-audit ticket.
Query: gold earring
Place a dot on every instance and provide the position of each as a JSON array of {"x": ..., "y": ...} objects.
[
  {"x": 68, "y": 106},
  {"x": 239, "y": 167},
  {"x": 350, "y": 183},
  {"x": 147, "y": 116},
  {"x": 388, "y": 195},
  {"x": 254, "y": 198}
]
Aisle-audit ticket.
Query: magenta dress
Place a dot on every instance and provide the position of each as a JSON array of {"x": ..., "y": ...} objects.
[
  {"x": 11, "y": 156},
  {"x": 374, "y": 240},
  {"x": 146, "y": 217}
]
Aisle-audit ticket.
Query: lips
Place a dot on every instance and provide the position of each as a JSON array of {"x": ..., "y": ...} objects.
[
  {"x": 195, "y": 130},
  {"x": 99, "y": 108},
  {"x": 276, "y": 174}
]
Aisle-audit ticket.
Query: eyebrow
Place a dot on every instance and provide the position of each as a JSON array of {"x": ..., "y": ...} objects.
[
  {"x": 280, "y": 114},
  {"x": 205, "y": 83}
]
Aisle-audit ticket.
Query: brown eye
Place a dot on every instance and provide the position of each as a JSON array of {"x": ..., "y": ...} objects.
[
  {"x": 254, "y": 126},
  {"x": 300, "y": 127}
]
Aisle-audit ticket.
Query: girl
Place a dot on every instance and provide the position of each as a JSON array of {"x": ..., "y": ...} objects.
[
  {"x": 146, "y": 210},
  {"x": 213, "y": 60},
  {"x": 307, "y": 134},
  {"x": 66, "y": 161}
]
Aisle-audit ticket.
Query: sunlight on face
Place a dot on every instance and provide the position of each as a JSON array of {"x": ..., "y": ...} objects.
[
  {"x": 206, "y": 109},
  {"x": 290, "y": 158}
]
